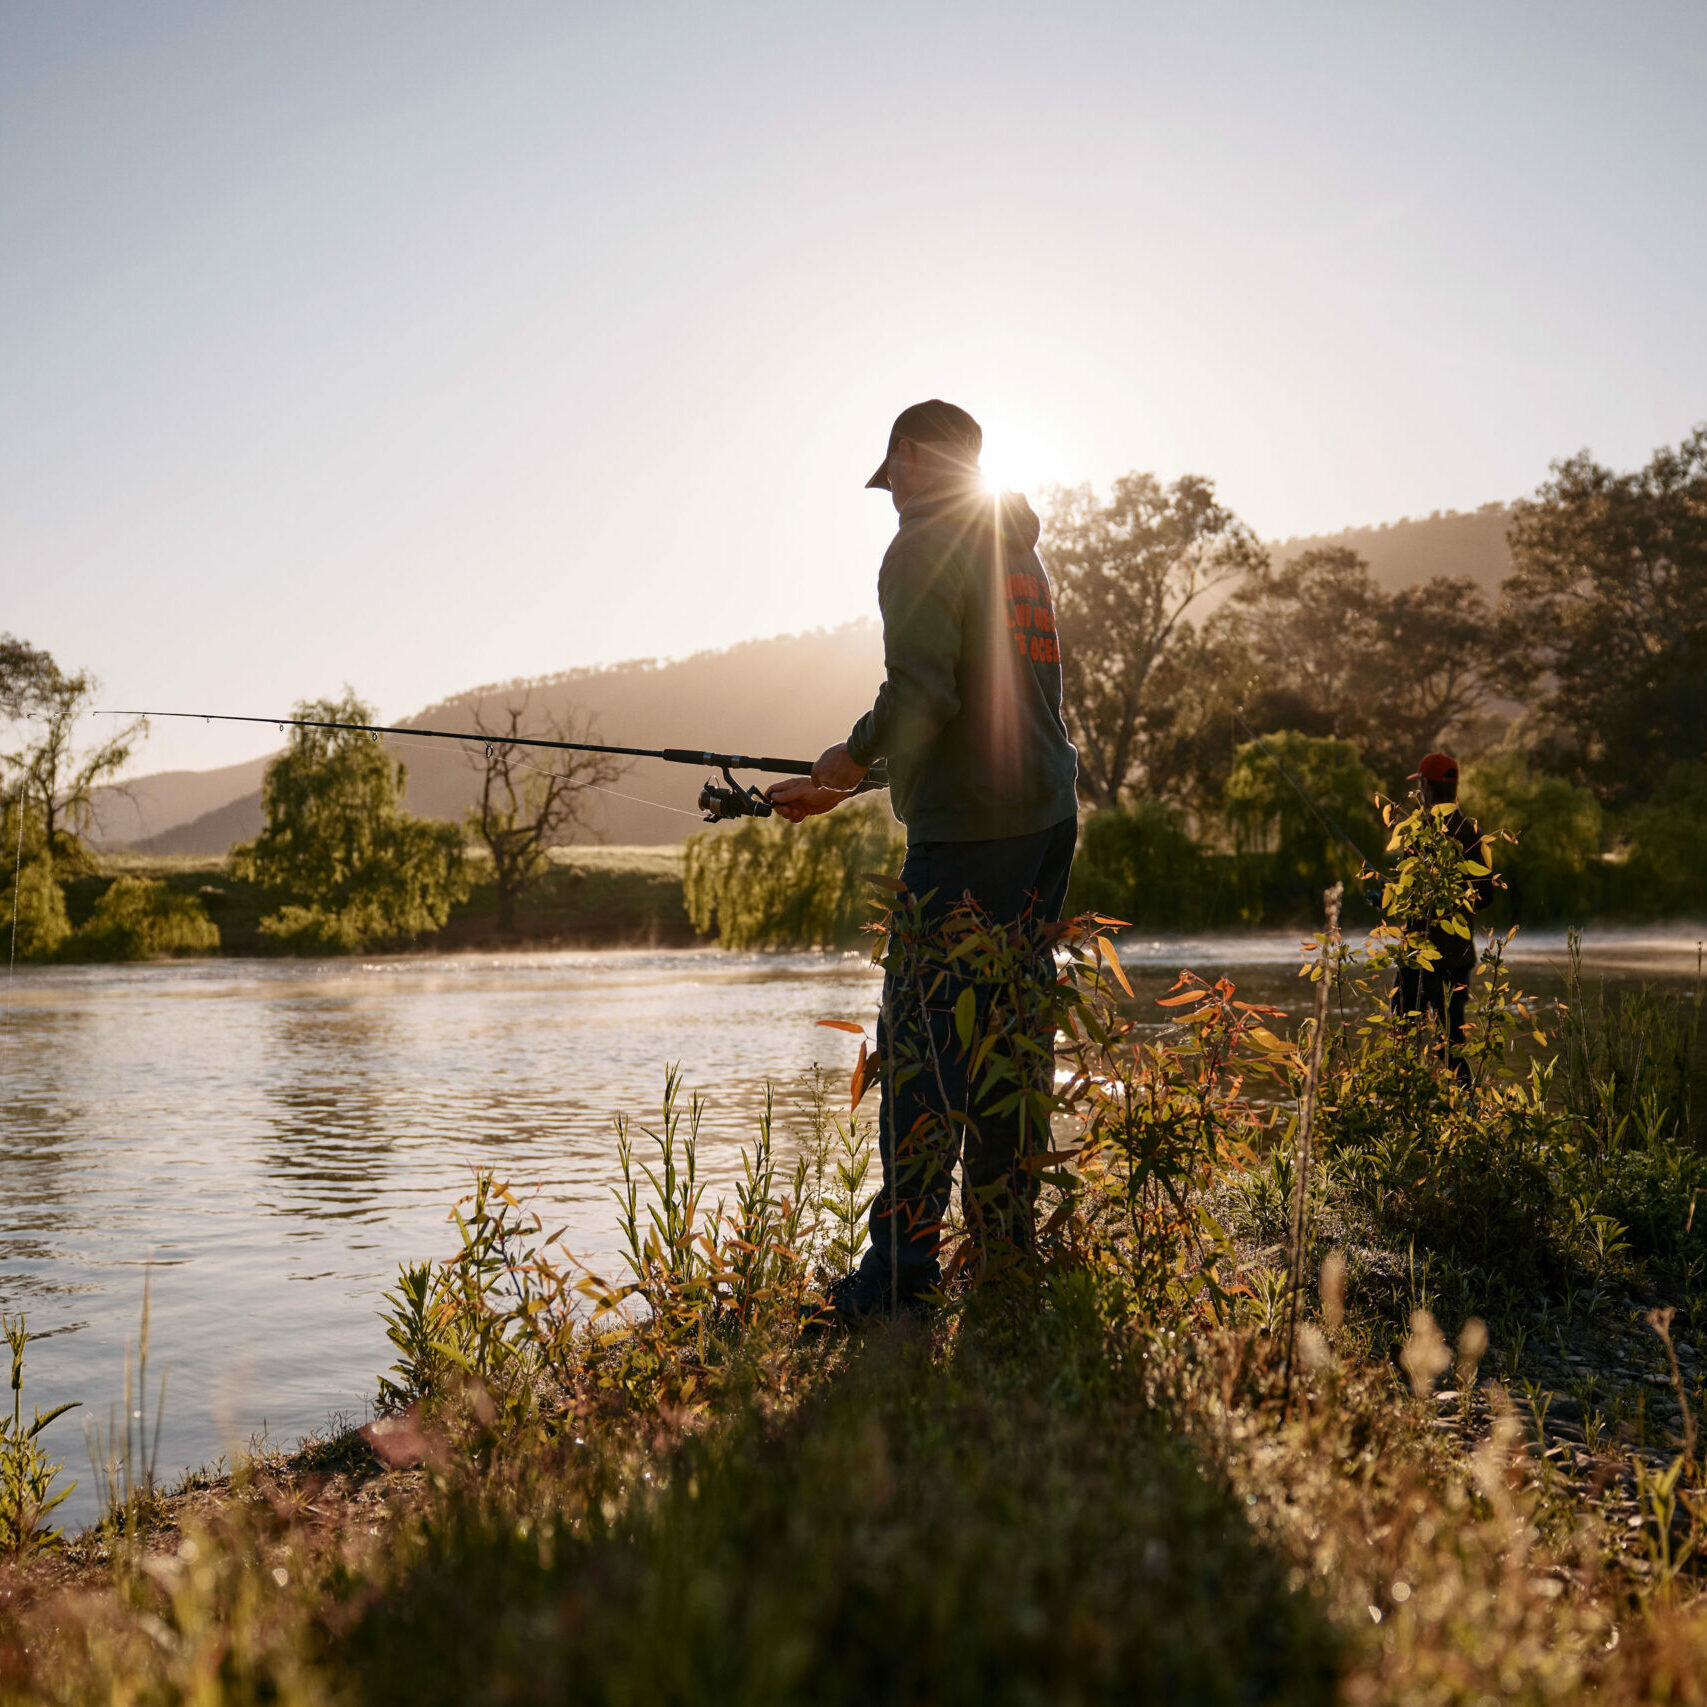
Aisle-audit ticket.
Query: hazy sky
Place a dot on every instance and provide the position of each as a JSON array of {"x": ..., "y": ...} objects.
[{"x": 417, "y": 346}]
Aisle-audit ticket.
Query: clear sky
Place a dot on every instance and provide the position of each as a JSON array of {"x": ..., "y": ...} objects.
[{"x": 421, "y": 345}]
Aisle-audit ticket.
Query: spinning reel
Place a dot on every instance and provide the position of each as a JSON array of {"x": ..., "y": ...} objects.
[{"x": 718, "y": 802}]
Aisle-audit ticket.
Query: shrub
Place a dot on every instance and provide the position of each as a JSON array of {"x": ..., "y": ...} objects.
[
  {"x": 32, "y": 904},
  {"x": 35, "y": 900},
  {"x": 139, "y": 918},
  {"x": 1141, "y": 865},
  {"x": 1666, "y": 873},
  {"x": 1552, "y": 869}
]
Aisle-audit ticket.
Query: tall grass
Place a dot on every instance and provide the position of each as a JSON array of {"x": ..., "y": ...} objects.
[{"x": 124, "y": 1455}]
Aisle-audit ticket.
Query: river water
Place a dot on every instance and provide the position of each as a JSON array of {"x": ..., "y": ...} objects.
[{"x": 269, "y": 1139}]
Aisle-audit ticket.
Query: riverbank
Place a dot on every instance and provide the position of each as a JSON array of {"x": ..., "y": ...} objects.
[
  {"x": 591, "y": 897},
  {"x": 1470, "y": 1470},
  {"x": 1013, "y": 1501},
  {"x": 632, "y": 897}
]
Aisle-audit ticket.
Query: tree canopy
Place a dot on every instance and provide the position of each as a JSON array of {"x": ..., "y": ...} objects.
[
  {"x": 1326, "y": 651},
  {"x": 1604, "y": 622},
  {"x": 1127, "y": 571},
  {"x": 354, "y": 870}
]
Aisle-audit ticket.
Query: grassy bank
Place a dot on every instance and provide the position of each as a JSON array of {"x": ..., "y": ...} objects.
[
  {"x": 592, "y": 897},
  {"x": 1459, "y": 1460}
]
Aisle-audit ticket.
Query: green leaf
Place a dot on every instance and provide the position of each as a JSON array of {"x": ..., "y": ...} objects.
[
  {"x": 44, "y": 1418},
  {"x": 965, "y": 1014}
]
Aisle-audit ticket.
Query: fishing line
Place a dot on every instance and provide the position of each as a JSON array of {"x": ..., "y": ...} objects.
[
  {"x": 680, "y": 811},
  {"x": 17, "y": 884}
]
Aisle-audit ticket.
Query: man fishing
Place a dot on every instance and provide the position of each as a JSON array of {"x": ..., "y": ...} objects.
[
  {"x": 1442, "y": 989},
  {"x": 982, "y": 774}
]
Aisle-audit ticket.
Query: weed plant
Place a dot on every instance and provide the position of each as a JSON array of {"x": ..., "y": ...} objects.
[{"x": 27, "y": 1474}]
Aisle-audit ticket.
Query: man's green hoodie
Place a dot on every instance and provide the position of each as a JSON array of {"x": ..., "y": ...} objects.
[{"x": 969, "y": 715}]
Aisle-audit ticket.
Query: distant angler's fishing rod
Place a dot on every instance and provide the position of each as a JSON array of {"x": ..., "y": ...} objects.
[{"x": 716, "y": 800}]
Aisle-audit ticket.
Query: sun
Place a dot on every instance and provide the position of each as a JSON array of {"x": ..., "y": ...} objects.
[{"x": 1017, "y": 456}]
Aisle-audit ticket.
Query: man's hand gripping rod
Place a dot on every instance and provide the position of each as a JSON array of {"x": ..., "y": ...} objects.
[{"x": 718, "y": 801}]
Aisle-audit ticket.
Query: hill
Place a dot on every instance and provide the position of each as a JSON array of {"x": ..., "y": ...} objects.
[
  {"x": 1399, "y": 554},
  {"x": 137, "y": 812}
]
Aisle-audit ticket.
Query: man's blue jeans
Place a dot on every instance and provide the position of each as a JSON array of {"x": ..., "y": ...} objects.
[{"x": 1013, "y": 879}]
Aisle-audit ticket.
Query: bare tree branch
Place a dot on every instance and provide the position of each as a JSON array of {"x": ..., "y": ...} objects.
[{"x": 527, "y": 806}]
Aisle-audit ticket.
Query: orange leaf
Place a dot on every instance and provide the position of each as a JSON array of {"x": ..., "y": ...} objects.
[
  {"x": 865, "y": 1072},
  {"x": 1106, "y": 950},
  {"x": 844, "y": 1025}
]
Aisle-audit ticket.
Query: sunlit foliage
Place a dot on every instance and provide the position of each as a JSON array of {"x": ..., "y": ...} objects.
[
  {"x": 776, "y": 885},
  {"x": 353, "y": 869},
  {"x": 139, "y": 918}
]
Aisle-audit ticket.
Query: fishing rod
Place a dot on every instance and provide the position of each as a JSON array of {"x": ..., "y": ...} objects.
[{"x": 718, "y": 801}]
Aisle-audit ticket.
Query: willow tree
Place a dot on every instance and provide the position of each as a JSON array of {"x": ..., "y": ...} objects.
[
  {"x": 776, "y": 885},
  {"x": 351, "y": 867},
  {"x": 1308, "y": 802},
  {"x": 1128, "y": 572}
]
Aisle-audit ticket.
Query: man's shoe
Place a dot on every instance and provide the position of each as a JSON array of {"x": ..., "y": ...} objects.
[{"x": 862, "y": 1297}]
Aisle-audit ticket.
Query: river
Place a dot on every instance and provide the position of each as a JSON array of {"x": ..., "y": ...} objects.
[{"x": 269, "y": 1139}]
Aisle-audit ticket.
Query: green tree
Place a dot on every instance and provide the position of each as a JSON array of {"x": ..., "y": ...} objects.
[
  {"x": 354, "y": 870},
  {"x": 50, "y": 770},
  {"x": 530, "y": 801},
  {"x": 775, "y": 885},
  {"x": 1604, "y": 618},
  {"x": 1550, "y": 860},
  {"x": 1666, "y": 870},
  {"x": 1127, "y": 573},
  {"x": 1308, "y": 802}
]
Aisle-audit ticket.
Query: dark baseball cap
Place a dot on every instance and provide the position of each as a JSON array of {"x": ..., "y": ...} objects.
[{"x": 931, "y": 422}]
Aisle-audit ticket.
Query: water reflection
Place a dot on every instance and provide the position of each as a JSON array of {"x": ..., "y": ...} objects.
[{"x": 329, "y": 1137}]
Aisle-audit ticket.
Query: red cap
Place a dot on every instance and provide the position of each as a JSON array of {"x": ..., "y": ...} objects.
[{"x": 1437, "y": 767}]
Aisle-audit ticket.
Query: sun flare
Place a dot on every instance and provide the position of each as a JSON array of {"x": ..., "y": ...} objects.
[{"x": 1017, "y": 457}]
